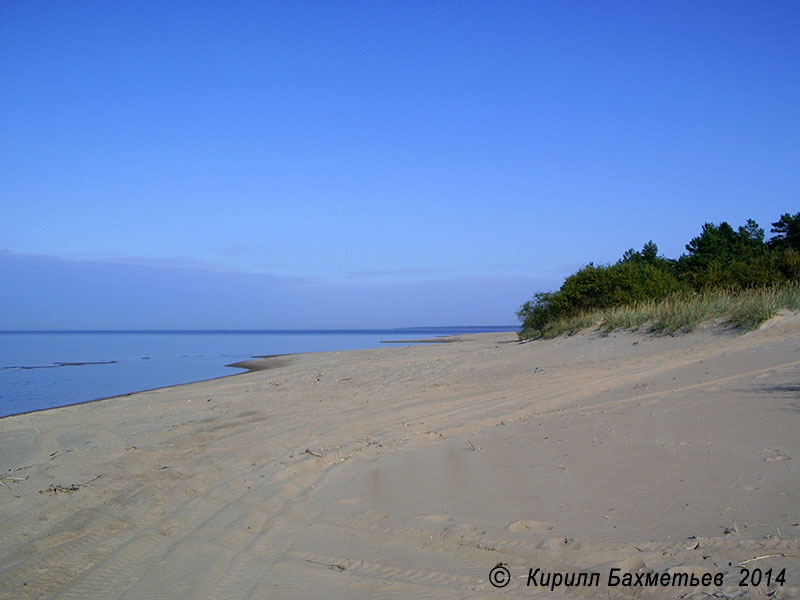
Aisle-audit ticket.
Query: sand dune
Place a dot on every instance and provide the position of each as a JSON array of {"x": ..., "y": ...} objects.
[{"x": 411, "y": 472}]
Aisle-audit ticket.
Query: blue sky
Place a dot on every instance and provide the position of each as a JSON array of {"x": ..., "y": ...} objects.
[{"x": 372, "y": 164}]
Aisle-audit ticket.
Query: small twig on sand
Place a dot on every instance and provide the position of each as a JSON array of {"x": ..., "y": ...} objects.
[
  {"x": 781, "y": 554},
  {"x": 332, "y": 566},
  {"x": 7, "y": 478},
  {"x": 57, "y": 487}
]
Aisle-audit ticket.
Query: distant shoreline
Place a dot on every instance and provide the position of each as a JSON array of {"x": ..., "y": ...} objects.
[{"x": 96, "y": 370}]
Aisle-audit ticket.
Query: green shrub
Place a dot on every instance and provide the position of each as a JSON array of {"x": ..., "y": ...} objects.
[{"x": 716, "y": 278}]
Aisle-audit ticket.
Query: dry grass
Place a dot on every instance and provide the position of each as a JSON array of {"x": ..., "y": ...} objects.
[{"x": 747, "y": 309}]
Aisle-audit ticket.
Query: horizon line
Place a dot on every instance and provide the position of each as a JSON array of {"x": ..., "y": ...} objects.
[{"x": 507, "y": 327}]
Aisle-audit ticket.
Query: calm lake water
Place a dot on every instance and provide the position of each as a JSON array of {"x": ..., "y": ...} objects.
[{"x": 41, "y": 370}]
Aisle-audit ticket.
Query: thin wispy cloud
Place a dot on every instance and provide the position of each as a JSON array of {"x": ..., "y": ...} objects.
[
  {"x": 369, "y": 273},
  {"x": 164, "y": 263}
]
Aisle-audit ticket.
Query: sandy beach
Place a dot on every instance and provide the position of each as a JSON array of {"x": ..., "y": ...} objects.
[{"x": 412, "y": 472}]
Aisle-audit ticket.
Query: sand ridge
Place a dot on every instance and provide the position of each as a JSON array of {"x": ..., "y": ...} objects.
[{"x": 413, "y": 471}]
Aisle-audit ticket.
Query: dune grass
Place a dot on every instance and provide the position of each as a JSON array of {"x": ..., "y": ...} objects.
[{"x": 746, "y": 309}]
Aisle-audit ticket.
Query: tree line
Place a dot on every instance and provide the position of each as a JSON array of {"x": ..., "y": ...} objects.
[{"x": 720, "y": 257}]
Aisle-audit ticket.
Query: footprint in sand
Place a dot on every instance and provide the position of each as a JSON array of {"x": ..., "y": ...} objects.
[
  {"x": 558, "y": 544},
  {"x": 518, "y": 526}
]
